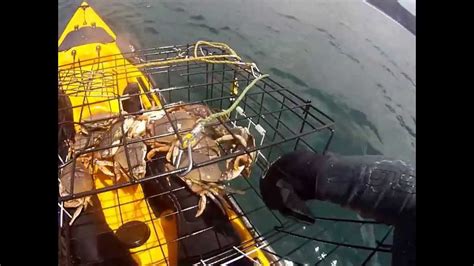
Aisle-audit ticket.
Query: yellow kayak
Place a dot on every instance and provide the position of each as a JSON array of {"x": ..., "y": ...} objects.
[
  {"x": 90, "y": 76},
  {"x": 87, "y": 49}
]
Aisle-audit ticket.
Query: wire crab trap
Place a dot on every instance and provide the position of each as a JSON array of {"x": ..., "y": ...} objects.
[{"x": 133, "y": 174}]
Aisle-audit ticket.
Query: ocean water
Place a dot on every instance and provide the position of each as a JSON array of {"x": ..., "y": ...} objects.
[{"x": 348, "y": 58}]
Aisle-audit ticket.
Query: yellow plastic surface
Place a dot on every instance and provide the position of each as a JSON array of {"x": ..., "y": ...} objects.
[
  {"x": 105, "y": 80},
  {"x": 95, "y": 74},
  {"x": 129, "y": 204}
]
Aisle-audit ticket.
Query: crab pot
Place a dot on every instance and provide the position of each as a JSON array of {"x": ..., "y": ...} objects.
[{"x": 150, "y": 219}]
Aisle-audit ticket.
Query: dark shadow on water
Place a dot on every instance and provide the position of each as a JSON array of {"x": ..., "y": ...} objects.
[
  {"x": 289, "y": 17},
  {"x": 405, "y": 126},
  {"x": 330, "y": 36},
  {"x": 198, "y": 17},
  {"x": 270, "y": 28},
  {"x": 390, "y": 108},
  {"x": 175, "y": 9},
  {"x": 204, "y": 26},
  {"x": 237, "y": 33},
  {"x": 289, "y": 76},
  {"x": 361, "y": 119},
  {"x": 372, "y": 151},
  {"x": 339, "y": 49},
  {"x": 386, "y": 68},
  {"x": 151, "y": 30},
  {"x": 388, "y": 98},
  {"x": 405, "y": 75}
]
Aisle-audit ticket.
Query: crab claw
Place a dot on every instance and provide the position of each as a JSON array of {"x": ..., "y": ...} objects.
[
  {"x": 201, "y": 204},
  {"x": 243, "y": 160},
  {"x": 229, "y": 137}
]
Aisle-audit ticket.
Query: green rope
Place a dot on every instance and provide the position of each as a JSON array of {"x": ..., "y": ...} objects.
[{"x": 234, "y": 105}]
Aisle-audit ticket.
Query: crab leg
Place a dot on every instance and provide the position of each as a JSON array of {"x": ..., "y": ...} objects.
[
  {"x": 173, "y": 151},
  {"x": 152, "y": 153},
  {"x": 232, "y": 190},
  {"x": 242, "y": 160},
  {"x": 119, "y": 172},
  {"x": 201, "y": 204},
  {"x": 230, "y": 137},
  {"x": 214, "y": 193},
  {"x": 76, "y": 214},
  {"x": 102, "y": 166},
  {"x": 216, "y": 201},
  {"x": 87, "y": 202}
]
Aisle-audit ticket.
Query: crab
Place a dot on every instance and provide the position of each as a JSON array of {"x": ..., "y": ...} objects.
[
  {"x": 198, "y": 110},
  {"x": 83, "y": 142},
  {"x": 239, "y": 139},
  {"x": 109, "y": 145},
  {"x": 206, "y": 181},
  {"x": 203, "y": 111},
  {"x": 184, "y": 118},
  {"x": 91, "y": 131},
  {"x": 202, "y": 180},
  {"x": 140, "y": 123},
  {"x": 130, "y": 159},
  {"x": 162, "y": 131},
  {"x": 82, "y": 182},
  {"x": 100, "y": 121}
]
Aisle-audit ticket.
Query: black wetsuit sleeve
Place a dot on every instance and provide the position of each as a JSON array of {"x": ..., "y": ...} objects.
[{"x": 374, "y": 186}]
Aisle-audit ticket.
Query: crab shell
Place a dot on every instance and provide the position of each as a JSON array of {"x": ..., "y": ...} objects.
[
  {"x": 203, "y": 111},
  {"x": 83, "y": 142},
  {"x": 205, "y": 180},
  {"x": 202, "y": 181},
  {"x": 182, "y": 121},
  {"x": 113, "y": 137},
  {"x": 198, "y": 110},
  {"x": 83, "y": 182},
  {"x": 106, "y": 119},
  {"x": 209, "y": 173},
  {"x": 206, "y": 149},
  {"x": 136, "y": 156}
]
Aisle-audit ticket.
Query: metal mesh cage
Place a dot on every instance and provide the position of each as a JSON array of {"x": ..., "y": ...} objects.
[{"x": 278, "y": 119}]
